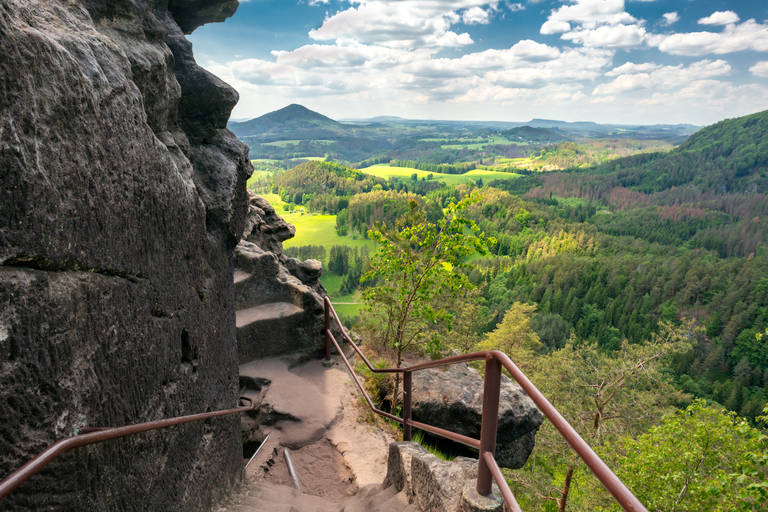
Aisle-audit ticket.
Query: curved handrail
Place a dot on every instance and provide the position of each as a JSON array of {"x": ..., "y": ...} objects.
[
  {"x": 99, "y": 434},
  {"x": 488, "y": 469}
]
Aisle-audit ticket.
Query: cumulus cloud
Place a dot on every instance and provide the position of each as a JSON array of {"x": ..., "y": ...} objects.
[
  {"x": 749, "y": 35},
  {"x": 596, "y": 23},
  {"x": 670, "y": 18},
  {"x": 346, "y": 67},
  {"x": 591, "y": 13},
  {"x": 664, "y": 78},
  {"x": 720, "y": 18},
  {"x": 374, "y": 53},
  {"x": 608, "y": 36},
  {"x": 405, "y": 24},
  {"x": 760, "y": 69},
  {"x": 476, "y": 15}
]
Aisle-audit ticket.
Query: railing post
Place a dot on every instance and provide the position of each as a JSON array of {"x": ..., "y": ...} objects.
[
  {"x": 407, "y": 388},
  {"x": 489, "y": 423},
  {"x": 327, "y": 328}
]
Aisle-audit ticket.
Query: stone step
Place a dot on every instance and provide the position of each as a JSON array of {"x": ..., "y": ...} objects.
[
  {"x": 306, "y": 411},
  {"x": 267, "y": 329},
  {"x": 266, "y": 313}
]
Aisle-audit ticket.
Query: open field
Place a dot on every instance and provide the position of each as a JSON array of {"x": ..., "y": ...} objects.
[
  {"x": 387, "y": 171},
  {"x": 313, "y": 229}
]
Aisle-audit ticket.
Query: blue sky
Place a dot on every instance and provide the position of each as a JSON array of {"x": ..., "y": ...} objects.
[{"x": 625, "y": 61}]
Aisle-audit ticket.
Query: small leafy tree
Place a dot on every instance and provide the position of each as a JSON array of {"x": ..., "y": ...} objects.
[{"x": 416, "y": 272}]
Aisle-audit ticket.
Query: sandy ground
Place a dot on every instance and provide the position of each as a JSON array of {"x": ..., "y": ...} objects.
[{"x": 334, "y": 451}]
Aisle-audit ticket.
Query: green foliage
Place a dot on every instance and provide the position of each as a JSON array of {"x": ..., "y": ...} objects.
[
  {"x": 418, "y": 437},
  {"x": 457, "y": 168},
  {"x": 378, "y": 207},
  {"x": 322, "y": 186},
  {"x": 379, "y": 386},
  {"x": 515, "y": 335},
  {"x": 605, "y": 396},
  {"x": 416, "y": 276},
  {"x": 701, "y": 458},
  {"x": 552, "y": 329},
  {"x": 306, "y": 252}
]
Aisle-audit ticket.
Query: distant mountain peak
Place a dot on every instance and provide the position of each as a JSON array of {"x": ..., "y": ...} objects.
[
  {"x": 295, "y": 111},
  {"x": 292, "y": 122}
]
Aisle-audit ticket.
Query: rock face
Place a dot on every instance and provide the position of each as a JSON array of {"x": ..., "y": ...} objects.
[
  {"x": 122, "y": 197},
  {"x": 279, "y": 299},
  {"x": 452, "y": 398}
]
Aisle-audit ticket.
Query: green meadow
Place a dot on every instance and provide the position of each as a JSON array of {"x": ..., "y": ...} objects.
[
  {"x": 317, "y": 229},
  {"x": 388, "y": 171}
]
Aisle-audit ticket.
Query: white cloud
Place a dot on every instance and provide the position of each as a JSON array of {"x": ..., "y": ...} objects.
[
  {"x": 670, "y": 18},
  {"x": 760, "y": 69},
  {"x": 476, "y": 15},
  {"x": 311, "y": 2},
  {"x": 749, "y": 35},
  {"x": 596, "y": 23},
  {"x": 631, "y": 67},
  {"x": 608, "y": 36},
  {"x": 385, "y": 56},
  {"x": 405, "y": 24},
  {"x": 720, "y": 18},
  {"x": 591, "y": 13},
  {"x": 664, "y": 78},
  {"x": 554, "y": 27}
]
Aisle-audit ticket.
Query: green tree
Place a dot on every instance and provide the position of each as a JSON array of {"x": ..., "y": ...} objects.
[
  {"x": 604, "y": 395},
  {"x": 515, "y": 335},
  {"x": 416, "y": 272},
  {"x": 701, "y": 458}
]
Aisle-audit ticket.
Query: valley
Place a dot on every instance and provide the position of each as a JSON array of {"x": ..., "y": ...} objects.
[{"x": 597, "y": 243}]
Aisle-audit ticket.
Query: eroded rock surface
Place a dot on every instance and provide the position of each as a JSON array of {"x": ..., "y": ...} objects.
[
  {"x": 452, "y": 398},
  {"x": 279, "y": 299},
  {"x": 436, "y": 485},
  {"x": 122, "y": 197}
]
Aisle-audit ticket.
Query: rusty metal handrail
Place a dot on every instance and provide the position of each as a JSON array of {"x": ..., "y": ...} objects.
[
  {"x": 99, "y": 434},
  {"x": 488, "y": 470}
]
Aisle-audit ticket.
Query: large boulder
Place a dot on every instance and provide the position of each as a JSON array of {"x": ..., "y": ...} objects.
[
  {"x": 122, "y": 197},
  {"x": 452, "y": 398}
]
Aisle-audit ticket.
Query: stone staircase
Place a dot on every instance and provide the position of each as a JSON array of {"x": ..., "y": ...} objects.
[
  {"x": 342, "y": 462},
  {"x": 278, "y": 299},
  {"x": 311, "y": 410}
]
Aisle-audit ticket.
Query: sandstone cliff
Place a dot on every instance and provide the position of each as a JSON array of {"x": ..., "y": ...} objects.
[{"x": 122, "y": 198}]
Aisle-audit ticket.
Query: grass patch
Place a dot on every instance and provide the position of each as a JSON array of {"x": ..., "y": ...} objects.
[
  {"x": 418, "y": 436},
  {"x": 388, "y": 171}
]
